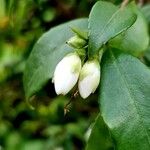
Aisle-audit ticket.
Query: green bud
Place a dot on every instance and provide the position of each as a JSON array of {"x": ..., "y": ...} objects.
[{"x": 76, "y": 42}]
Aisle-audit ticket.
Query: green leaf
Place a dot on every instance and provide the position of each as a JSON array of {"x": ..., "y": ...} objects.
[
  {"x": 125, "y": 100},
  {"x": 47, "y": 52},
  {"x": 105, "y": 22},
  {"x": 80, "y": 33},
  {"x": 136, "y": 39},
  {"x": 146, "y": 11},
  {"x": 100, "y": 138}
]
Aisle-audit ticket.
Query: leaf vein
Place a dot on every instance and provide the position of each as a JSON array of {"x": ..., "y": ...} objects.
[{"x": 119, "y": 68}]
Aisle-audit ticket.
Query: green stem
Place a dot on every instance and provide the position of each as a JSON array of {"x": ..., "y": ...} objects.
[{"x": 82, "y": 53}]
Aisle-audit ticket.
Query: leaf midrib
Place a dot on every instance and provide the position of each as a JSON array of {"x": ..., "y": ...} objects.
[
  {"x": 118, "y": 67},
  {"x": 105, "y": 27}
]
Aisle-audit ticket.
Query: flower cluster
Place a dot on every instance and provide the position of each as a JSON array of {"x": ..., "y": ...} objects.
[{"x": 70, "y": 71}]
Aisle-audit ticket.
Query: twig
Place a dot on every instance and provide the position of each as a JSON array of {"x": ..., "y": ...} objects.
[
  {"x": 76, "y": 94},
  {"x": 66, "y": 107},
  {"x": 141, "y": 2},
  {"x": 124, "y": 3}
]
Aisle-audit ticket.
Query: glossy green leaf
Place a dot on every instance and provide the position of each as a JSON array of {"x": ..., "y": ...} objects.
[
  {"x": 136, "y": 39},
  {"x": 100, "y": 138},
  {"x": 47, "y": 52},
  {"x": 125, "y": 100},
  {"x": 146, "y": 11},
  {"x": 105, "y": 22}
]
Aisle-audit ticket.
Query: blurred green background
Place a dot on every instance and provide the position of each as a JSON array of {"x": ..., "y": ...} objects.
[{"x": 45, "y": 128}]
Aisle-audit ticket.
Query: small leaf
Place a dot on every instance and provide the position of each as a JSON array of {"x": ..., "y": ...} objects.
[
  {"x": 105, "y": 22},
  {"x": 146, "y": 11},
  {"x": 135, "y": 40},
  {"x": 125, "y": 100},
  {"x": 100, "y": 138},
  {"x": 80, "y": 33},
  {"x": 47, "y": 52}
]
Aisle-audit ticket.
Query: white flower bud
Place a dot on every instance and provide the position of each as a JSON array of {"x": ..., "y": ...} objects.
[
  {"x": 66, "y": 73},
  {"x": 89, "y": 78},
  {"x": 76, "y": 42}
]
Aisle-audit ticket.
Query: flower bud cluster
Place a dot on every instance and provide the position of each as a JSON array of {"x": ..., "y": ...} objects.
[{"x": 70, "y": 71}]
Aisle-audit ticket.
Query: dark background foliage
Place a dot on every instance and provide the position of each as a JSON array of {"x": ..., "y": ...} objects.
[{"x": 21, "y": 128}]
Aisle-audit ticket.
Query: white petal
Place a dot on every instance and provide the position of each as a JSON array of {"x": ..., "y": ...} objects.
[
  {"x": 89, "y": 79},
  {"x": 66, "y": 74},
  {"x": 85, "y": 87}
]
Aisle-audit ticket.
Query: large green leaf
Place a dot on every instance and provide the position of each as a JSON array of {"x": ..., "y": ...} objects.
[
  {"x": 125, "y": 100},
  {"x": 105, "y": 22},
  {"x": 146, "y": 11},
  {"x": 47, "y": 52},
  {"x": 100, "y": 138},
  {"x": 136, "y": 39}
]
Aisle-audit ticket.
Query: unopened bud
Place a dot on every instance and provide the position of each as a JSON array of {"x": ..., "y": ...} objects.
[
  {"x": 89, "y": 78},
  {"x": 66, "y": 73},
  {"x": 76, "y": 42}
]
